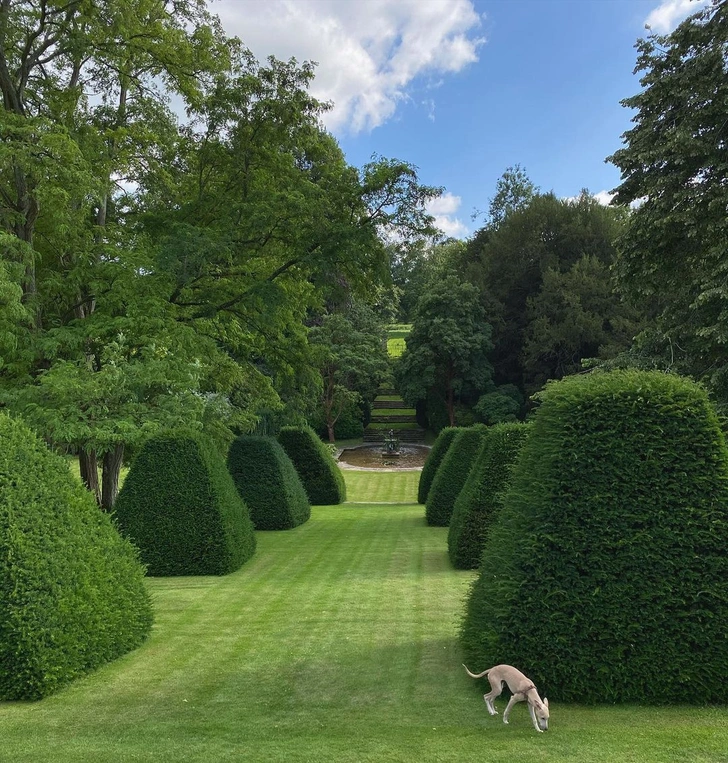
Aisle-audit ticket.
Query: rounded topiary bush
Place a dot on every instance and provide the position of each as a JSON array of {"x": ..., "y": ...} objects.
[
  {"x": 434, "y": 459},
  {"x": 267, "y": 480},
  {"x": 72, "y": 593},
  {"x": 482, "y": 495},
  {"x": 180, "y": 507},
  {"x": 450, "y": 477},
  {"x": 606, "y": 574},
  {"x": 321, "y": 477}
]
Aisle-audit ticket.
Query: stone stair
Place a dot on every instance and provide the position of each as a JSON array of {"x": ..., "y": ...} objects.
[{"x": 381, "y": 416}]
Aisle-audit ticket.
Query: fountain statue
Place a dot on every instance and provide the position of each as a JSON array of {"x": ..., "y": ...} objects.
[{"x": 391, "y": 445}]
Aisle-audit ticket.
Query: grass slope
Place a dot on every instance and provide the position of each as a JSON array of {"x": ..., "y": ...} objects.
[{"x": 336, "y": 643}]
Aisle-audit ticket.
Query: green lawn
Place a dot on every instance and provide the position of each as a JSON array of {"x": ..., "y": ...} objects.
[
  {"x": 336, "y": 642},
  {"x": 393, "y": 412}
]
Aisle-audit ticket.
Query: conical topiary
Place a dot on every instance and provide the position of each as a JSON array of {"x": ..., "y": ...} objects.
[
  {"x": 479, "y": 501},
  {"x": 72, "y": 593},
  {"x": 606, "y": 572},
  {"x": 267, "y": 480},
  {"x": 321, "y": 477},
  {"x": 450, "y": 477},
  {"x": 180, "y": 507},
  {"x": 434, "y": 459}
]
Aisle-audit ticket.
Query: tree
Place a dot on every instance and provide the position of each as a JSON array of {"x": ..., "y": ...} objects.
[
  {"x": 513, "y": 191},
  {"x": 532, "y": 275},
  {"x": 448, "y": 347},
  {"x": 351, "y": 347},
  {"x": 674, "y": 167},
  {"x": 184, "y": 298}
]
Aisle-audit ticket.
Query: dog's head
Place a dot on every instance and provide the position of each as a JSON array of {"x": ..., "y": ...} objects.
[{"x": 542, "y": 714}]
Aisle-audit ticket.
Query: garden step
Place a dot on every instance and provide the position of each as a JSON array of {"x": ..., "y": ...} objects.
[
  {"x": 389, "y": 404},
  {"x": 407, "y": 418}
]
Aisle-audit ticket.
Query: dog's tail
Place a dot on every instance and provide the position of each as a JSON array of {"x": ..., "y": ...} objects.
[{"x": 476, "y": 675}]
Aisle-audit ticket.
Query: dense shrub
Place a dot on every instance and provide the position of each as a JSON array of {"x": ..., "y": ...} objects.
[
  {"x": 321, "y": 477},
  {"x": 267, "y": 481},
  {"x": 434, "y": 459},
  {"x": 606, "y": 573},
  {"x": 180, "y": 507},
  {"x": 482, "y": 495},
  {"x": 72, "y": 594},
  {"x": 450, "y": 477}
]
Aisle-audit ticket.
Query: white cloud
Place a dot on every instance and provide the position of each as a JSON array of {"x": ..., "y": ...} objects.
[
  {"x": 443, "y": 209},
  {"x": 604, "y": 197},
  {"x": 370, "y": 52},
  {"x": 670, "y": 13}
]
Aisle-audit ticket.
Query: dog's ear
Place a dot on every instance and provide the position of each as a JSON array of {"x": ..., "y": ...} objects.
[{"x": 546, "y": 702}]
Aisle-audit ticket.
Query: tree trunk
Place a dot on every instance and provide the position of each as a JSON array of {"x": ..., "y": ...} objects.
[
  {"x": 88, "y": 465},
  {"x": 330, "y": 427},
  {"x": 110, "y": 478}
]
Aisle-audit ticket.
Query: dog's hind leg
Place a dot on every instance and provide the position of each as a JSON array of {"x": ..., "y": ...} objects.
[{"x": 496, "y": 686}]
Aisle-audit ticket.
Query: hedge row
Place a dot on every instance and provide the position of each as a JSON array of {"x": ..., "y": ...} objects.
[
  {"x": 321, "y": 477},
  {"x": 434, "y": 459},
  {"x": 180, "y": 507},
  {"x": 72, "y": 594},
  {"x": 452, "y": 473},
  {"x": 480, "y": 500},
  {"x": 268, "y": 483},
  {"x": 606, "y": 572}
]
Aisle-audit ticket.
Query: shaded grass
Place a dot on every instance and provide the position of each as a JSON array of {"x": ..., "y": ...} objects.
[
  {"x": 336, "y": 643},
  {"x": 396, "y": 346}
]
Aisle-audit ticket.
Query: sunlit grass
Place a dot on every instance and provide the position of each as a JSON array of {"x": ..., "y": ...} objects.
[{"x": 336, "y": 643}]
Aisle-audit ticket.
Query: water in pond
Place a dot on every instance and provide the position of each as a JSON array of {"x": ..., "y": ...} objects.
[{"x": 373, "y": 457}]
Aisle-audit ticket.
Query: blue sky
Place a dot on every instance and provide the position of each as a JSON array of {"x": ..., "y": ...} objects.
[{"x": 464, "y": 89}]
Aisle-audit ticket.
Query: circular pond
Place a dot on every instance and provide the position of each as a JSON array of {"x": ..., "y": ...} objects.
[{"x": 374, "y": 457}]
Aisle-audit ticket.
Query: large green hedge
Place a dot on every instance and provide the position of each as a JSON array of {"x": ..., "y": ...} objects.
[
  {"x": 452, "y": 474},
  {"x": 180, "y": 507},
  {"x": 606, "y": 572},
  {"x": 482, "y": 495},
  {"x": 434, "y": 459},
  {"x": 321, "y": 477},
  {"x": 72, "y": 593},
  {"x": 267, "y": 481}
]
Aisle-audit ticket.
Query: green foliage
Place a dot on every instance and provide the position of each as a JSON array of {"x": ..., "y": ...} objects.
[
  {"x": 543, "y": 276},
  {"x": 72, "y": 594},
  {"x": 674, "y": 169},
  {"x": 446, "y": 351},
  {"x": 452, "y": 474},
  {"x": 349, "y": 424},
  {"x": 606, "y": 571},
  {"x": 480, "y": 500},
  {"x": 434, "y": 459},
  {"x": 321, "y": 477},
  {"x": 180, "y": 507},
  {"x": 268, "y": 483}
]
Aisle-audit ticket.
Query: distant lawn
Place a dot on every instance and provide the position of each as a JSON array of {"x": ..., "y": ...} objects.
[
  {"x": 393, "y": 412},
  {"x": 396, "y": 346},
  {"x": 392, "y": 425},
  {"x": 336, "y": 643},
  {"x": 388, "y": 398}
]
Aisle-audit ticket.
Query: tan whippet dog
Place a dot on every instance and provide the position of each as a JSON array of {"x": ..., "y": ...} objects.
[{"x": 522, "y": 689}]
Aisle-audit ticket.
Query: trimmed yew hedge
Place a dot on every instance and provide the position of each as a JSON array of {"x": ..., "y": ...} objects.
[
  {"x": 606, "y": 573},
  {"x": 434, "y": 459},
  {"x": 72, "y": 593},
  {"x": 321, "y": 477},
  {"x": 267, "y": 481},
  {"x": 452, "y": 474},
  {"x": 480, "y": 500},
  {"x": 180, "y": 507}
]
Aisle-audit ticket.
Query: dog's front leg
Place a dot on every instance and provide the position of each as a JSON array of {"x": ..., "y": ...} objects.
[
  {"x": 514, "y": 698},
  {"x": 533, "y": 718}
]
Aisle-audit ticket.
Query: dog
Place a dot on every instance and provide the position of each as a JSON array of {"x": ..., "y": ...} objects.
[{"x": 522, "y": 689}]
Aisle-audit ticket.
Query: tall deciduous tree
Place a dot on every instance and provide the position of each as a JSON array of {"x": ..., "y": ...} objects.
[
  {"x": 674, "y": 167},
  {"x": 447, "y": 349},
  {"x": 351, "y": 350}
]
